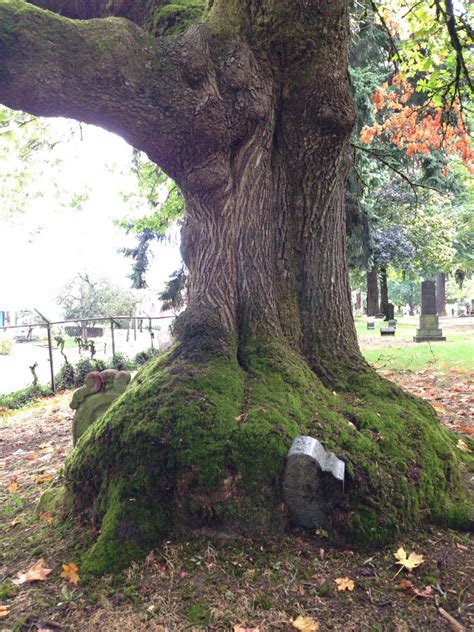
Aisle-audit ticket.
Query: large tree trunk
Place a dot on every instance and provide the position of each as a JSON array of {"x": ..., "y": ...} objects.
[
  {"x": 251, "y": 114},
  {"x": 373, "y": 291},
  {"x": 383, "y": 291}
]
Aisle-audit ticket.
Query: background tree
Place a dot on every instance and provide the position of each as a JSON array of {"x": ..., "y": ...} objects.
[
  {"x": 250, "y": 112},
  {"x": 83, "y": 297}
]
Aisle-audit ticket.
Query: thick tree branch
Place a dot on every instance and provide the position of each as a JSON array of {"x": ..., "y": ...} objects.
[
  {"x": 138, "y": 11},
  {"x": 96, "y": 71}
]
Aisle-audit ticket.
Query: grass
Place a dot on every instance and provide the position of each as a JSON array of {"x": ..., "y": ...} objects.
[
  {"x": 400, "y": 353},
  {"x": 456, "y": 352}
]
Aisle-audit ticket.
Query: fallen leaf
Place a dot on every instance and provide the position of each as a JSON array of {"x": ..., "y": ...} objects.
[
  {"x": 13, "y": 487},
  {"x": 48, "y": 516},
  {"x": 32, "y": 456},
  {"x": 43, "y": 478},
  {"x": 405, "y": 584},
  {"x": 37, "y": 573},
  {"x": 463, "y": 446},
  {"x": 305, "y": 624},
  {"x": 425, "y": 593},
  {"x": 410, "y": 562},
  {"x": 344, "y": 583},
  {"x": 70, "y": 573},
  {"x": 4, "y": 612}
]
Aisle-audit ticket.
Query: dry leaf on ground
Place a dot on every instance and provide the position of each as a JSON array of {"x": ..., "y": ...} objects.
[
  {"x": 48, "y": 516},
  {"x": 344, "y": 583},
  {"x": 13, "y": 487},
  {"x": 37, "y": 573},
  {"x": 410, "y": 562},
  {"x": 305, "y": 624},
  {"x": 43, "y": 478},
  {"x": 4, "y": 612},
  {"x": 70, "y": 573}
]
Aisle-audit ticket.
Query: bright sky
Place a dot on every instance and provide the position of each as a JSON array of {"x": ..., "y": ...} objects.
[{"x": 46, "y": 246}]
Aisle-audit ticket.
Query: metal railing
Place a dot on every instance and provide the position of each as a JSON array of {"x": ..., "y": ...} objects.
[{"x": 81, "y": 324}]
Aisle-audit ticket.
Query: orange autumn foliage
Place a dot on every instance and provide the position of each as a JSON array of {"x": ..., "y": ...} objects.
[{"x": 418, "y": 130}]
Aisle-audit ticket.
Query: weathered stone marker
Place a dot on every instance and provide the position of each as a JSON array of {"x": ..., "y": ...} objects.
[
  {"x": 392, "y": 323},
  {"x": 429, "y": 325},
  {"x": 94, "y": 398},
  {"x": 313, "y": 482},
  {"x": 390, "y": 315},
  {"x": 387, "y": 331},
  {"x": 370, "y": 325}
]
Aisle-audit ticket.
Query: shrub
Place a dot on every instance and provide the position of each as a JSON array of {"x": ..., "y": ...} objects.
[
  {"x": 81, "y": 369},
  {"x": 66, "y": 376},
  {"x": 122, "y": 362},
  {"x": 6, "y": 345},
  {"x": 17, "y": 399},
  {"x": 144, "y": 356}
]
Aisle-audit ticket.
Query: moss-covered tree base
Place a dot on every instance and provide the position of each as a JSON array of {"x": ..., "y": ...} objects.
[{"x": 199, "y": 440}]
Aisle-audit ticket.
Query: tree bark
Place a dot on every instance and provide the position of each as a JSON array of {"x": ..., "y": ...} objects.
[
  {"x": 383, "y": 291},
  {"x": 373, "y": 292},
  {"x": 250, "y": 112},
  {"x": 441, "y": 294}
]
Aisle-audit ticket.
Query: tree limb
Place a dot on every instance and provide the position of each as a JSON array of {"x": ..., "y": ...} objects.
[
  {"x": 137, "y": 11},
  {"x": 93, "y": 71}
]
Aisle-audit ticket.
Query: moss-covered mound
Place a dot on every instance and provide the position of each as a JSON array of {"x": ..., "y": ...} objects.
[{"x": 200, "y": 441}]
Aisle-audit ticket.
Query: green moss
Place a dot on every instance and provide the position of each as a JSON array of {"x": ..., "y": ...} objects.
[
  {"x": 200, "y": 439},
  {"x": 198, "y": 613},
  {"x": 176, "y": 17}
]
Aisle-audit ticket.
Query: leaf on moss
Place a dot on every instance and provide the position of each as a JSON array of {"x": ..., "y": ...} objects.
[
  {"x": 410, "y": 562},
  {"x": 70, "y": 573},
  {"x": 48, "y": 516},
  {"x": 37, "y": 573},
  {"x": 462, "y": 445},
  {"x": 344, "y": 583},
  {"x": 305, "y": 624},
  {"x": 4, "y": 612}
]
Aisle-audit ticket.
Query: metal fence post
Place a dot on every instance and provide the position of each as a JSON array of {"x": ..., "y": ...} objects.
[
  {"x": 50, "y": 349},
  {"x": 113, "y": 337}
]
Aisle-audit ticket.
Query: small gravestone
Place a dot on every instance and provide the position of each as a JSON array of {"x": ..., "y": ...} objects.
[
  {"x": 392, "y": 323},
  {"x": 91, "y": 401},
  {"x": 429, "y": 330},
  {"x": 370, "y": 325},
  {"x": 313, "y": 482},
  {"x": 390, "y": 315},
  {"x": 387, "y": 331}
]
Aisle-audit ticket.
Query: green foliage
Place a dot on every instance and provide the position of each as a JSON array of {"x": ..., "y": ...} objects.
[
  {"x": 163, "y": 198},
  {"x": 174, "y": 294},
  {"x": 6, "y": 345},
  {"x": 122, "y": 362},
  {"x": 143, "y": 356},
  {"x": 20, "y": 398},
  {"x": 84, "y": 297},
  {"x": 66, "y": 376}
]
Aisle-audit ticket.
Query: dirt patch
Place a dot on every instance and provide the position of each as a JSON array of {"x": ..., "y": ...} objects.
[{"x": 216, "y": 583}]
